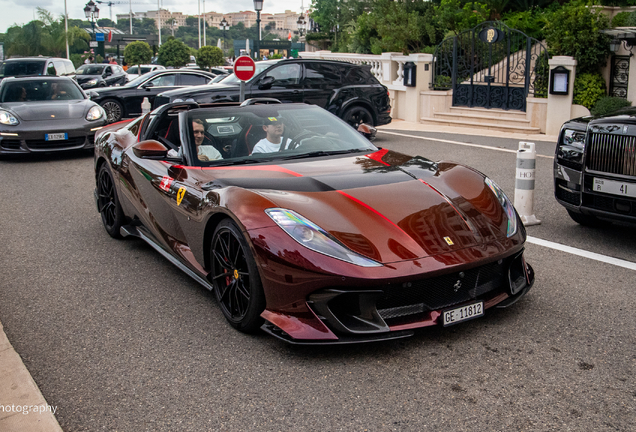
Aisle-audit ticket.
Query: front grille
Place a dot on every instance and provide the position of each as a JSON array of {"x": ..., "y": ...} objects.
[
  {"x": 44, "y": 145},
  {"x": 610, "y": 204},
  {"x": 442, "y": 291},
  {"x": 613, "y": 154},
  {"x": 13, "y": 144}
]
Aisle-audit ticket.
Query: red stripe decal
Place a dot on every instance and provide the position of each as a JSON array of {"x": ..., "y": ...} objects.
[
  {"x": 377, "y": 156},
  {"x": 372, "y": 209}
]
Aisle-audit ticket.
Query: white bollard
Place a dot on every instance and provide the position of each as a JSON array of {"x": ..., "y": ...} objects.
[
  {"x": 145, "y": 106},
  {"x": 524, "y": 183}
]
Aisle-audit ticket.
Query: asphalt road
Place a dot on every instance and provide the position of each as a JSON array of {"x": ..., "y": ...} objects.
[{"x": 118, "y": 339}]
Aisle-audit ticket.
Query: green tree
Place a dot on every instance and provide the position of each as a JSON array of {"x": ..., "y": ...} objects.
[
  {"x": 574, "y": 30},
  {"x": 209, "y": 56},
  {"x": 105, "y": 22},
  {"x": 456, "y": 16},
  {"x": 138, "y": 52},
  {"x": 174, "y": 53}
]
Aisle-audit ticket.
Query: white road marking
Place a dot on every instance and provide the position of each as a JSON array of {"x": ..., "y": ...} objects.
[
  {"x": 459, "y": 143},
  {"x": 582, "y": 253}
]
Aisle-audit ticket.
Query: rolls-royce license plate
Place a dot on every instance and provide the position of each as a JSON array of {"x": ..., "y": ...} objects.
[
  {"x": 464, "y": 313},
  {"x": 615, "y": 187},
  {"x": 56, "y": 136}
]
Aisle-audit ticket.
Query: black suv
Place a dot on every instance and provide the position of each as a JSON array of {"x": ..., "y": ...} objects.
[
  {"x": 36, "y": 66},
  {"x": 349, "y": 91},
  {"x": 595, "y": 168}
]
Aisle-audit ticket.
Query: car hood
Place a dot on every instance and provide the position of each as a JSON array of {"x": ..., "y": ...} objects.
[
  {"x": 85, "y": 78},
  {"x": 46, "y": 110},
  {"x": 413, "y": 209},
  {"x": 198, "y": 90}
]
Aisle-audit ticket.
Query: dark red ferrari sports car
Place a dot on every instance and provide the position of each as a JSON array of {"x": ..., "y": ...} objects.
[{"x": 305, "y": 229}]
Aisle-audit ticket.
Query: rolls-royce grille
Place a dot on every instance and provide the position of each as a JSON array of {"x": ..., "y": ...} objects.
[{"x": 613, "y": 154}]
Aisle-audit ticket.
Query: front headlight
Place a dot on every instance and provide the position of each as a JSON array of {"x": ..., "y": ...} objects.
[
  {"x": 315, "y": 238},
  {"x": 6, "y": 118},
  {"x": 92, "y": 82},
  {"x": 571, "y": 147},
  {"x": 507, "y": 206},
  {"x": 95, "y": 113}
]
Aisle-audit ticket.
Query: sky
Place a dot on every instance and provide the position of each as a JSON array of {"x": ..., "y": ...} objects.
[{"x": 22, "y": 11}]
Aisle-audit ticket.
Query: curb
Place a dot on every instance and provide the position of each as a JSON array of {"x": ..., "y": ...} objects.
[{"x": 17, "y": 391}]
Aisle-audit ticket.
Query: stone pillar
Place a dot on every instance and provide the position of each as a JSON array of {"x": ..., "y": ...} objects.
[
  {"x": 560, "y": 106},
  {"x": 422, "y": 83}
]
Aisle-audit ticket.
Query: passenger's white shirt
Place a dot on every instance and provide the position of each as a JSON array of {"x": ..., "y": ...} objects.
[
  {"x": 209, "y": 151},
  {"x": 266, "y": 146}
]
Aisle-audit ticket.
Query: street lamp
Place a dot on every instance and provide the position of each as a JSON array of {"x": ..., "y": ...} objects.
[
  {"x": 92, "y": 13},
  {"x": 258, "y": 7},
  {"x": 301, "y": 25},
  {"x": 224, "y": 26}
]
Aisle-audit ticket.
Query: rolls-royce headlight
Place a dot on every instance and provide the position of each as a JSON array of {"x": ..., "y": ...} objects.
[
  {"x": 506, "y": 205},
  {"x": 6, "y": 118},
  {"x": 95, "y": 113},
  {"x": 92, "y": 82},
  {"x": 315, "y": 238},
  {"x": 571, "y": 147}
]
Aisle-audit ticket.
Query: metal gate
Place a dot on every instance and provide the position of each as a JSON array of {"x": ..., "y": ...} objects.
[
  {"x": 619, "y": 76},
  {"x": 492, "y": 66}
]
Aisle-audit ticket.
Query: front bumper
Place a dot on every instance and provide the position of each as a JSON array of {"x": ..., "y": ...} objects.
[
  {"x": 30, "y": 141},
  {"x": 340, "y": 315},
  {"x": 574, "y": 190}
]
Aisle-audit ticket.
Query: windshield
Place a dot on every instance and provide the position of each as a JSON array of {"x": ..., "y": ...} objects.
[
  {"x": 20, "y": 68},
  {"x": 90, "y": 70},
  {"x": 256, "y": 133},
  {"x": 139, "y": 70},
  {"x": 40, "y": 90},
  {"x": 260, "y": 67}
]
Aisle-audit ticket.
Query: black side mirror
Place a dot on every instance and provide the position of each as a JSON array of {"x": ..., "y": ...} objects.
[
  {"x": 147, "y": 85},
  {"x": 266, "y": 83}
]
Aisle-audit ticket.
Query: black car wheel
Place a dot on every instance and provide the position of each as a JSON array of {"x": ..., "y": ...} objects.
[
  {"x": 108, "y": 203},
  {"x": 237, "y": 285},
  {"x": 584, "y": 219},
  {"x": 114, "y": 110},
  {"x": 357, "y": 115}
]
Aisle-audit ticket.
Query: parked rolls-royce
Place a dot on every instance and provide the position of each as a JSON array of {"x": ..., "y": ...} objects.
[{"x": 595, "y": 168}]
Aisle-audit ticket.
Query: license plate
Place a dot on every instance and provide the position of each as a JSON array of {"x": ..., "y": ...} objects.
[
  {"x": 464, "y": 313},
  {"x": 615, "y": 187},
  {"x": 56, "y": 137}
]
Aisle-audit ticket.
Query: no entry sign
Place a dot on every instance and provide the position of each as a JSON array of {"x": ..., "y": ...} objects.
[{"x": 244, "y": 68}]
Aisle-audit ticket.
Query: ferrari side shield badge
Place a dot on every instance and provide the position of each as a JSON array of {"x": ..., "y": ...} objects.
[{"x": 180, "y": 195}]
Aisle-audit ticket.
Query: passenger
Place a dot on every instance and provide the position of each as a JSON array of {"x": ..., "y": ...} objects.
[
  {"x": 205, "y": 152},
  {"x": 275, "y": 129},
  {"x": 56, "y": 91}
]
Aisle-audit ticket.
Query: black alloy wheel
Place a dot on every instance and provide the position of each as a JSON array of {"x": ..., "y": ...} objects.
[
  {"x": 108, "y": 203},
  {"x": 114, "y": 110},
  {"x": 357, "y": 115},
  {"x": 237, "y": 285}
]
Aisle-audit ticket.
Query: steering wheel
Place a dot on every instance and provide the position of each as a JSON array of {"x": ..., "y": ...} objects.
[{"x": 296, "y": 140}]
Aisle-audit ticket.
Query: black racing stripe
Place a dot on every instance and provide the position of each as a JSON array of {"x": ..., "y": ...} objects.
[{"x": 292, "y": 184}]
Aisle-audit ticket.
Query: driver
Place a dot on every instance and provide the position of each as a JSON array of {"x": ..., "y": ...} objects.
[
  {"x": 274, "y": 128},
  {"x": 205, "y": 152}
]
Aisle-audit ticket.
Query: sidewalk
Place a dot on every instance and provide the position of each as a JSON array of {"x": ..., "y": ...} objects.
[
  {"x": 419, "y": 127},
  {"x": 17, "y": 388},
  {"x": 17, "y": 392}
]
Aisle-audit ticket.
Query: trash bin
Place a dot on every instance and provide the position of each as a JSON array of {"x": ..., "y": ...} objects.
[{"x": 409, "y": 74}]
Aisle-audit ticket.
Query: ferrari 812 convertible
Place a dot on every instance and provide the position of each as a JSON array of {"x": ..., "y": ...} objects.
[{"x": 303, "y": 228}]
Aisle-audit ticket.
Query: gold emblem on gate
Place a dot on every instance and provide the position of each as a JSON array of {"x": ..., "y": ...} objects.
[
  {"x": 180, "y": 195},
  {"x": 236, "y": 274},
  {"x": 449, "y": 241}
]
